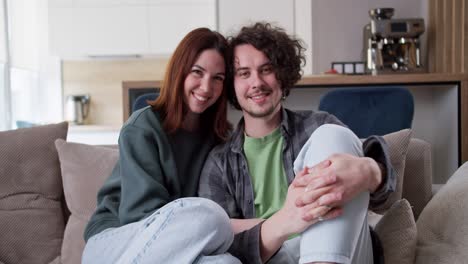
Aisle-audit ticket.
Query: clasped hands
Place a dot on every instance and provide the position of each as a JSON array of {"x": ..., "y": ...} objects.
[{"x": 318, "y": 193}]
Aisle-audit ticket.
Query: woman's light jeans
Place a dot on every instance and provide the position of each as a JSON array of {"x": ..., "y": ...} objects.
[
  {"x": 188, "y": 230},
  {"x": 345, "y": 239}
]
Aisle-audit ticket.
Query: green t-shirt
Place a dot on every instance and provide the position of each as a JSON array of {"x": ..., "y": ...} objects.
[{"x": 264, "y": 158}]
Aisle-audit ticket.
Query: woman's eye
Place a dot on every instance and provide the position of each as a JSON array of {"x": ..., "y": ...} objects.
[
  {"x": 197, "y": 72},
  {"x": 219, "y": 78}
]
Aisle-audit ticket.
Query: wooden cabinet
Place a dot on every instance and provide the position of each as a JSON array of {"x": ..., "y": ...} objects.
[
  {"x": 448, "y": 35},
  {"x": 87, "y": 28}
]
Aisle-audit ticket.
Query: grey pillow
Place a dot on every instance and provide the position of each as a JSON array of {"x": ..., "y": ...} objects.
[
  {"x": 398, "y": 146},
  {"x": 84, "y": 170},
  {"x": 31, "y": 217},
  {"x": 443, "y": 224},
  {"x": 397, "y": 232}
]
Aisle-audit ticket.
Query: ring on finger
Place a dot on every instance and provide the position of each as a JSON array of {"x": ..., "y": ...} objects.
[{"x": 320, "y": 219}]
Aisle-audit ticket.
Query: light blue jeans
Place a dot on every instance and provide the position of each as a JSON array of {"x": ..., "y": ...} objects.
[
  {"x": 345, "y": 239},
  {"x": 187, "y": 230}
]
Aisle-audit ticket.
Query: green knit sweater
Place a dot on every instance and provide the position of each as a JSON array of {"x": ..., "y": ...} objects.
[{"x": 153, "y": 170}]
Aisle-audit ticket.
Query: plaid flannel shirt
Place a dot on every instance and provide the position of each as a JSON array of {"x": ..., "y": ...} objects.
[{"x": 225, "y": 178}]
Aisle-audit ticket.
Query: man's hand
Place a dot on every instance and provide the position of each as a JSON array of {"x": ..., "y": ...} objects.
[
  {"x": 295, "y": 219},
  {"x": 344, "y": 175},
  {"x": 292, "y": 219},
  {"x": 298, "y": 218}
]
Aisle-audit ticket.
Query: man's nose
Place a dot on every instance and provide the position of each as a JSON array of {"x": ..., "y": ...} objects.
[{"x": 257, "y": 80}]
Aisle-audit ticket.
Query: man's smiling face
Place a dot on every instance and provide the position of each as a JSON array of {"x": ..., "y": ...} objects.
[{"x": 257, "y": 89}]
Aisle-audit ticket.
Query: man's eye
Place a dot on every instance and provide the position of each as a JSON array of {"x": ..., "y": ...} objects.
[
  {"x": 243, "y": 74},
  {"x": 267, "y": 70}
]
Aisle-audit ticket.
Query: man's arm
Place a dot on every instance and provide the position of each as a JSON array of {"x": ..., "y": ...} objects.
[
  {"x": 292, "y": 219},
  {"x": 376, "y": 148},
  {"x": 241, "y": 225},
  {"x": 214, "y": 185}
]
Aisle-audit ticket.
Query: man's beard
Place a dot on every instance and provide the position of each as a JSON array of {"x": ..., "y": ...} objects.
[{"x": 264, "y": 112}]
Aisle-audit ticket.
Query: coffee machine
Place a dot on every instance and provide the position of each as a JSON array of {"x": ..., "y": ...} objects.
[{"x": 392, "y": 45}]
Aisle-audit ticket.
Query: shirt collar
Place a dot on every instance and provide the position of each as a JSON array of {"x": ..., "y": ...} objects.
[{"x": 237, "y": 138}]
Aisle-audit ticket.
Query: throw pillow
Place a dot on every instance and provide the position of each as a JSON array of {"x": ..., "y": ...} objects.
[
  {"x": 84, "y": 170},
  {"x": 397, "y": 232},
  {"x": 398, "y": 145},
  {"x": 31, "y": 217},
  {"x": 443, "y": 225}
]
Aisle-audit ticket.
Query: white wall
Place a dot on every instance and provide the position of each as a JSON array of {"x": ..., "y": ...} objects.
[{"x": 232, "y": 15}]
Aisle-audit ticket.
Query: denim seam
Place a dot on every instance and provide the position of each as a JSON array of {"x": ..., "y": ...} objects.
[{"x": 153, "y": 237}]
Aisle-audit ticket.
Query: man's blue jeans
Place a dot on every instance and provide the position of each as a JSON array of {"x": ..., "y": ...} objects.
[{"x": 345, "y": 239}]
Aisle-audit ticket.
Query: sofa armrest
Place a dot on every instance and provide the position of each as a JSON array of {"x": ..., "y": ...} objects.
[{"x": 417, "y": 181}]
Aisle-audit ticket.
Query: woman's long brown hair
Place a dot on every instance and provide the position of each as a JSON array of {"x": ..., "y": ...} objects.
[{"x": 170, "y": 103}]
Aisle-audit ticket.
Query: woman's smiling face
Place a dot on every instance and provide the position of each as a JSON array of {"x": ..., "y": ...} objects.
[{"x": 204, "y": 83}]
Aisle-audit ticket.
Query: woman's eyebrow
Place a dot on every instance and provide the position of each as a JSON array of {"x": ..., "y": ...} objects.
[{"x": 200, "y": 67}]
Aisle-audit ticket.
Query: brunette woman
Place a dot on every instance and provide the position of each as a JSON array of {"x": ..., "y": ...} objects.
[{"x": 146, "y": 210}]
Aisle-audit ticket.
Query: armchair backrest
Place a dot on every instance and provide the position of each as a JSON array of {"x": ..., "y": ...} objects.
[{"x": 370, "y": 110}]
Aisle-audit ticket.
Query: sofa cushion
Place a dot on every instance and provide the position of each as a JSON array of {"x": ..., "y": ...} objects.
[
  {"x": 443, "y": 225},
  {"x": 397, "y": 232},
  {"x": 84, "y": 170},
  {"x": 31, "y": 217},
  {"x": 398, "y": 145}
]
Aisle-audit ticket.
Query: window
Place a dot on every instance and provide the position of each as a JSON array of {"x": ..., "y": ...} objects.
[{"x": 30, "y": 88}]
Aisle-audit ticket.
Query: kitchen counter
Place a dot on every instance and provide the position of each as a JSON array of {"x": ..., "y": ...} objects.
[
  {"x": 420, "y": 78},
  {"x": 93, "y": 134}
]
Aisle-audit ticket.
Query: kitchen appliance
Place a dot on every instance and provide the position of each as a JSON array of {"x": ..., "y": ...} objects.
[
  {"x": 77, "y": 108},
  {"x": 392, "y": 45}
]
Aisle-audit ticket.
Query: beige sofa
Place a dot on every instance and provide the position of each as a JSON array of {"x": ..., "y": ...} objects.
[{"x": 48, "y": 191}]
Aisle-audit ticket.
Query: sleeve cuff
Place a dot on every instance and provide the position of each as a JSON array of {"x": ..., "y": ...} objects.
[
  {"x": 376, "y": 148},
  {"x": 246, "y": 245}
]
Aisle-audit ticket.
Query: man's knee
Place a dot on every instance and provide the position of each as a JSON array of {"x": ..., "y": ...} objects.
[
  {"x": 337, "y": 137},
  {"x": 335, "y": 132}
]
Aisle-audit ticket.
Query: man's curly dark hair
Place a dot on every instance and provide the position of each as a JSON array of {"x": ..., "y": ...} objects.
[{"x": 285, "y": 53}]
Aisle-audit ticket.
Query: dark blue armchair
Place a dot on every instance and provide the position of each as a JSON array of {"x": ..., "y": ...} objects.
[
  {"x": 370, "y": 110},
  {"x": 141, "y": 101}
]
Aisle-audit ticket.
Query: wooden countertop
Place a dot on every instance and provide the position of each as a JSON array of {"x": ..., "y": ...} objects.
[
  {"x": 416, "y": 78},
  {"x": 337, "y": 79}
]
